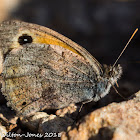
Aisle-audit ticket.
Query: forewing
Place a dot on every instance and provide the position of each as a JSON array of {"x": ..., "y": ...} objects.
[{"x": 40, "y": 30}]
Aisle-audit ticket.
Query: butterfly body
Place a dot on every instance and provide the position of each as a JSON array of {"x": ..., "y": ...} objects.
[{"x": 41, "y": 68}]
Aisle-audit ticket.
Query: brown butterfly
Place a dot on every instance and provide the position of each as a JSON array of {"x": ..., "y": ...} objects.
[{"x": 42, "y": 69}]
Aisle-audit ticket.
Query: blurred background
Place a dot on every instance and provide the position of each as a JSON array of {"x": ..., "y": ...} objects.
[{"x": 102, "y": 27}]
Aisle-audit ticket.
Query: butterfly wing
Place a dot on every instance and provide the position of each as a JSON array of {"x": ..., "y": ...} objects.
[
  {"x": 43, "y": 31},
  {"x": 38, "y": 75}
]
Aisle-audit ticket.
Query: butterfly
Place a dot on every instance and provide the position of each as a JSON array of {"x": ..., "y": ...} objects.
[{"x": 42, "y": 69}]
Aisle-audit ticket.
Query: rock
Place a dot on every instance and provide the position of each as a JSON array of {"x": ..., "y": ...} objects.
[
  {"x": 3, "y": 131},
  {"x": 54, "y": 125},
  {"x": 70, "y": 111},
  {"x": 117, "y": 121},
  {"x": 8, "y": 124},
  {"x": 32, "y": 122},
  {"x": 50, "y": 125},
  {"x": 8, "y": 118}
]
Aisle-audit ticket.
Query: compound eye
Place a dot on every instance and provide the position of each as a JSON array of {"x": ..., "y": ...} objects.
[
  {"x": 24, "y": 39},
  {"x": 110, "y": 73}
]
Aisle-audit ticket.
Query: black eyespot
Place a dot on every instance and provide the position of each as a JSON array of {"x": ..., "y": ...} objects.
[
  {"x": 24, "y": 103},
  {"x": 25, "y": 39}
]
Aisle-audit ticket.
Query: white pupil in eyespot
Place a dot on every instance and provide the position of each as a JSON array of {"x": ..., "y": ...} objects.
[{"x": 24, "y": 39}]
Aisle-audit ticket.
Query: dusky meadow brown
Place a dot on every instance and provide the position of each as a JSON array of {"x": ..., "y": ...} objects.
[{"x": 42, "y": 69}]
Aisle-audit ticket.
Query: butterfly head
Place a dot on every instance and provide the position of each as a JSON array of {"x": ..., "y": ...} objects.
[
  {"x": 112, "y": 74},
  {"x": 108, "y": 78}
]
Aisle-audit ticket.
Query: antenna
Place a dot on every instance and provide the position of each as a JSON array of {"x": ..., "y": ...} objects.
[
  {"x": 122, "y": 95},
  {"x": 125, "y": 47}
]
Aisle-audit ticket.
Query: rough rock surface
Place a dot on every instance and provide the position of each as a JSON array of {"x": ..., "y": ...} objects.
[
  {"x": 3, "y": 131},
  {"x": 43, "y": 122},
  {"x": 114, "y": 121},
  {"x": 33, "y": 122},
  {"x": 54, "y": 126},
  {"x": 117, "y": 121},
  {"x": 7, "y": 124}
]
